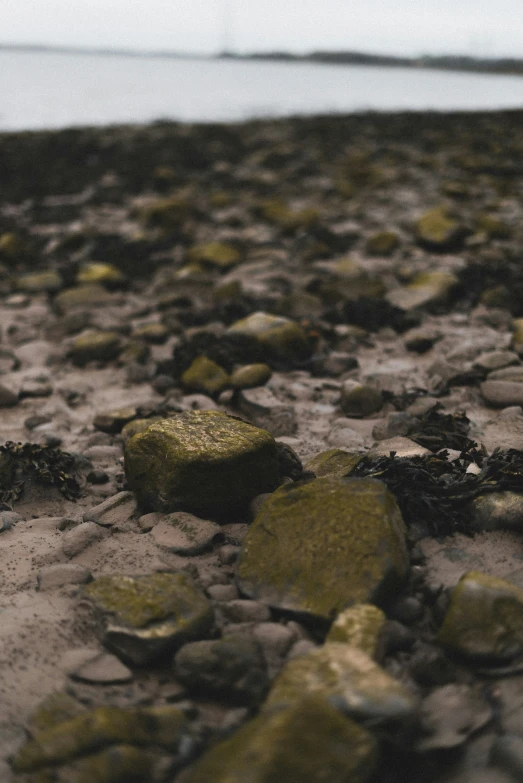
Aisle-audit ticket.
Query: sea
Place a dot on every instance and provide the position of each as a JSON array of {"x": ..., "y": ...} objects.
[{"x": 40, "y": 89}]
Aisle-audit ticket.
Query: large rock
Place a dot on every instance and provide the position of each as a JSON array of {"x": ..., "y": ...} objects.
[
  {"x": 309, "y": 741},
  {"x": 485, "y": 619},
  {"x": 323, "y": 546},
  {"x": 201, "y": 461},
  {"x": 146, "y": 616},
  {"x": 280, "y": 338}
]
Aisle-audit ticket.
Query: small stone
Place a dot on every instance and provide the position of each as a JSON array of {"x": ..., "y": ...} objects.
[
  {"x": 360, "y": 626},
  {"x": 402, "y": 447},
  {"x": 92, "y": 665},
  {"x": 8, "y": 520},
  {"x": 95, "y": 347},
  {"x": 97, "y": 477},
  {"x": 421, "y": 340},
  {"x": 80, "y": 537},
  {"x": 155, "y": 333},
  {"x": 251, "y": 375},
  {"x": 147, "y": 616},
  {"x": 219, "y": 255},
  {"x": 264, "y": 409},
  {"x": 497, "y": 511},
  {"x": 496, "y": 360},
  {"x": 244, "y": 611},
  {"x": 147, "y": 521},
  {"x": 485, "y": 619},
  {"x": 333, "y": 462},
  {"x": 35, "y": 388},
  {"x": 82, "y": 297},
  {"x": 407, "y": 610},
  {"x": 384, "y": 243},
  {"x": 138, "y": 425},
  {"x": 502, "y": 393},
  {"x": 359, "y": 399},
  {"x": 8, "y": 398},
  {"x": 281, "y": 338},
  {"x": 59, "y": 574},
  {"x": 113, "y": 421},
  {"x": 116, "y": 510},
  {"x": 186, "y": 534},
  {"x": 202, "y": 462},
  {"x": 427, "y": 288},
  {"x": 232, "y": 667},
  {"x": 95, "y": 273},
  {"x": 222, "y": 592},
  {"x": 40, "y": 282},
  {"x": 205, "y": 376},
  {"x": 436, "y": 230},
  {"x": 449, "y": 715},
  {"x": 296, "y": 744},
  {"x": 228, "y": 554}
]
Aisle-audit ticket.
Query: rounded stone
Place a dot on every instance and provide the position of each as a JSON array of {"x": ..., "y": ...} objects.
[
  {"x": 360, "y": 399},
  {"x": 250, "y": 375},
  {"x": 201, "y": 461},
  {"x": 205, "y": 376},
  {"x": 280, "y": 337},
  {"x": 95, "y": 346},
  {"x": 101, "y": 274}
]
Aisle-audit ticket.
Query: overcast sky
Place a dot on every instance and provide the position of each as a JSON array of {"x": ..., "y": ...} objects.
[{"x": 475, "y": 27}]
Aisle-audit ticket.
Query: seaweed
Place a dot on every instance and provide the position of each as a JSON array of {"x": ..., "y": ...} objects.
[
  {"x": 435, "y": 491},
  {"x": 438, "y": 431},
  {"x": 46, "y": 465}
]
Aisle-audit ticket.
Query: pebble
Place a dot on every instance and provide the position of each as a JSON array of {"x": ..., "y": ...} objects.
[
  {"x": 502, "y": 393},
  {"x": 116, "y": 510},
  {"x": 80, "y": 537},
  {"x": 57, "y": 575},
  {"x": 8, "y": 519},
  {"x": 92, "y": 665},
  {"x": 359, "y": 399},
  {"x": 186, "y": 534},
  {"x": 244, "y": 611},
  {"x": 264, "y": 409},
  {"x": 8, "y": 398}
]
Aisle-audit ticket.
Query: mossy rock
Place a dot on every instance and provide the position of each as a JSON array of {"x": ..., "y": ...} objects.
[
  {"x": 219, "y": 255},
  {"x": 146, "y": 616},
  {"x": 360, "y": 399},
  {"x": 309, "y": 741},
  {"x": 96, "y": 273},
  {"x": 201, "y": 461},
  {"x": 484, "y": 621},
  {"x": 56, "y": 708},
  {"x": 167, "y": 214},
  {"x": 117, "y": 764},
  {"x": 11, "y": 246},
  {"x": 320, "y": 547},
  {"x": 251, "y": 375},
  {"x": 134, "y": 351},
  {"x": 517, "y": 335},
  {"x": 360, "y": 626},
  {"x": 493, "y": 227},
  {"x": 384, "y": 243},
  {"x": 105, "y": 726},
  {"x": 40, "y": 282},
  {"x": 436, "y": 230},
  {"x": 281, "y": 338},
  {"x": 279, "y": 213},
  {"x": 156, "y": 334},
  {"x": 138, "y": 425},
  {"x": 333, "y": 462},
  {"x": 205, "y": 376},
  {"x": 427, "y": 288},
  {"x": 95, "y": 347},
  {"x": 82, "y": 297},
  {"x": 298, "y": 305},
  {"x": 349, "y": 678},
  {"x": 114, "y": 421}
]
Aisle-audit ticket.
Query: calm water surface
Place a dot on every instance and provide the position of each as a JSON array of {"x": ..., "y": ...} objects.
[{"x": 50, "y": 90}]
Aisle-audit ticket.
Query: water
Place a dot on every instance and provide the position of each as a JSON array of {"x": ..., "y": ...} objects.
[{"x": 50, "y": 90}]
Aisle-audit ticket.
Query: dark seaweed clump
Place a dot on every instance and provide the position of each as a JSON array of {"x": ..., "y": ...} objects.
[
  {"x": 45, "y": 465},
  {"x": 435, "y": 493},
  {"x": 438, "y": 431}
]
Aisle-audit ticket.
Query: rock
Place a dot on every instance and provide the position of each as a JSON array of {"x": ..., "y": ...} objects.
[
  {"x": 384, "y": 243},
  {"x": 298, "y": 305},
  {"x": 359, "y": 399},
  {"x": 514, "y": 374},
  {"x": 205, "y": 376},
  {"x": 155, "y": 333},
  {"x": 360, "y": 626},
  {"x": 349, "y": 679},
  {"x": 251, "y": 375},
  {"x": 138, "y": 425},
  {"x": 59, "y": 574},
  {"x": 502, "y": 393},
  {"x": 116, "y": 510},
  {"x": 403, "y": 448},
  {"x": 517, "y": 335},
  {"x": 34, "y": 388},
  {"x": 496, "y": 360},
  {"x": 185, "y": 534},
  {"x": 484, "y": 621},
  {"x": 232, "y": 668},
  {"x": 40, "y": 282},
  {"x": 95, "y": 273},
  {"x": 80, "y": 537},
  {"x": 333, "y": 462},
  {"x": 201, "y": 461},
  {"x": 289, "y": 464},
  {"x": 264, "y": 409},
  {"x": 281, "y": 338},
  {"x": 147, "y": 616},
  {"x": 507, "y": 754},
  {"x": 95, "y": 347},
  {"x": 114, "y": 421},
  {"x": 435, "y": 230},
  {"x": 449, "y": 715},
  {"x": 117, "y": 764},
  {"x": 91, "y": 665},
  {"x": 166, "y": 214},
  {"x": 337, "y": 363},
  {"x": 275, "y": 641},
  {"x": 82, "y": 297},
  {"x": 105, "y": 726},
  {"x": 294, "y": 745},
  {"x": 219, "y": 255},
  {"x": 8, "y": 398},
  {"x": 222, "y": 592},
  {"x": 8, "y": 520},
  {"x": 318, "y": 548},
  {"x": 497, "y": 511},
  {"x": 427, "y": 288},
  {"x": 422, "y": 340},
  {"x": 244, "y": 611}
]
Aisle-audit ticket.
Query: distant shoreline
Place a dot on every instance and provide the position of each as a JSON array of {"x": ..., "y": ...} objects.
[{"x": 496, "y": 66}]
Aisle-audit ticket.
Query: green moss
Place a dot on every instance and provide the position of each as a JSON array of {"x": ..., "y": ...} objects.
[
  {"x": 95, "y": 346},
  {"x": 205, "y": 376},
  {"x": 54, "y": 709},
  {"x": 359, "y": 626}
]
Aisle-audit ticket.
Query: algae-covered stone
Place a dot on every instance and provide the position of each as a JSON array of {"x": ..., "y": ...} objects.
[
  {"x": 82, "y": 297},
  {"x": 279, "y": 213},
  {"x": 117, "y": 764},
  {"x": 201, "y": 461},
  {"x": 517, "y": 335},
  {"x": 485, "y": 619},
  {"x": 156, "y": 334},
  {"x": 91, "y": 731},
  {"x": 11, "y": 246},
  {"x": 40, "y": 282},
  {"x": 360, "y": 399},
  {"x": 185, "y": 534},
  {"x": 333, "y": 462},
  {"x": 321, "y": 547},
  {"x": 384, "y": 243},
  {"x": 138, "y": 425},
  {"x": 497, "y": 511},
  {"x": 145, "y": 616},
  {"x": 101, "y": 274},
  {"x": 114, "y": 421},
  {"x": 220, "y": 255},
  {"x": 425, "y": 289},
  {"x": 205, "y": 376},
  {"x": 360, "y": 626},
  {"x": 56, "y": 708},
  {"x": 494, "y": 227},
  {"x": 309, "y": 741},
  {"x": 167, "y": 214},
  {"x": 95, "y": 347},
  {"x": 280, "y": 337},
  {"x": 251, "y": 375},
  {"x": 349, "y": 678},
  {"x": 436, "y": 230}
]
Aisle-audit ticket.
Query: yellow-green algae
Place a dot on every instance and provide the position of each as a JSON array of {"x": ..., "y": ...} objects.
[
  {"x": 201, "y": 461},
  {"x": 348, "y": 676},
  {"x": 437, "y": 230},
  {"x": 485, "y": 619},
  {"x": 333, "y": 462},
  {"x": 323, "y": 546},
  {"x": 205, "y": 376},
  {"x": 309, "y": 742},
  {"x": 154, "y": 333},
  {"x": 54, "y": 709},
  {"x": 360, "y": 626},
  {"x": 281, "y": 337},
  {"x": 91, "y": 731}
]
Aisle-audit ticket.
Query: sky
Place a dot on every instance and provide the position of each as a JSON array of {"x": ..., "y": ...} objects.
[{"x": 480, "y": 28}]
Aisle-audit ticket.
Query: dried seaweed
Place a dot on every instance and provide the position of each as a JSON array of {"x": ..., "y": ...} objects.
[
  {"x": 436, "y": 491},
  {"x": 45, "y": 465}
]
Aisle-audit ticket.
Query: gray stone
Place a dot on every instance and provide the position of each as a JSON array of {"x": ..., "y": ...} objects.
[
  {"x": 80, "y": 537},
  {"x": 497, "y": 511},
  {"x": 244, "y": 611},
  {"x": 8, "y": 519},
  {"x": 514, "y": 374},
  {"x": 359, "y": 399},
  {"x": 8, "y": 398},
  {"x": 59, "y": 574},
  {"x": 502, "y": 393},
  {"x": 222, "y": 592},
  {"x": 450, "y": 714},
  {"x": 395, "y": 425},
  {"x": 116, "y": 510},
  {"x": 264, "y": 409},
  {"x": 95, "y": 666},
  {"x": 404, "y": 447},
  {"x": 186, "y": 534},
  {"x": 496, "y": 360}
]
